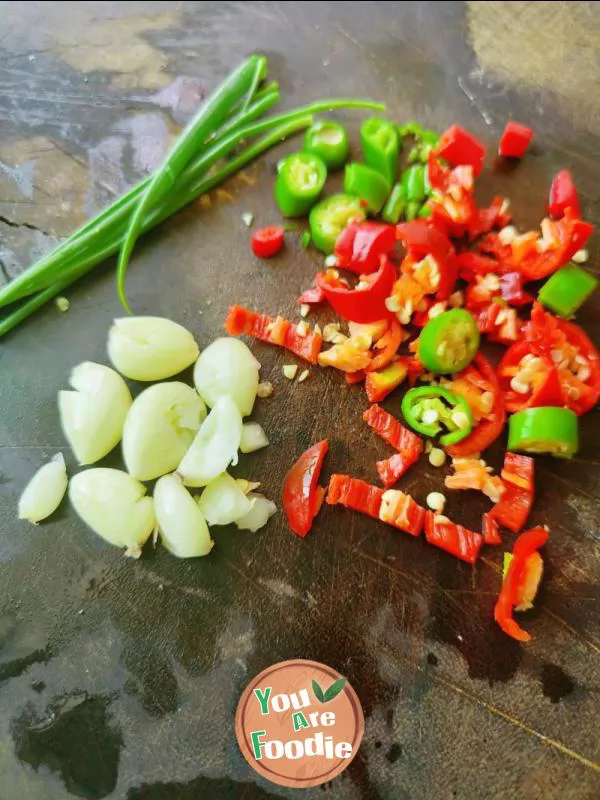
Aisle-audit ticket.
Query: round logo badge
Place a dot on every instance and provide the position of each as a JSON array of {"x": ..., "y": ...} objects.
[{"x": 299, "y": 723}]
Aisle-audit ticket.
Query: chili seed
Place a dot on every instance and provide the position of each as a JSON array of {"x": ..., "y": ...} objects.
[
  {"x": 518, "y": 387},
  {"x": 581, "y": 256},
  {"x": 436, "y": 501},
  {"x": 264, "y": 389},
  {"x": 460, "y": 419},
  {"x": 304, "y": 310},
  {"x": 507, "y": 234},
  {"x": 429, "y": 416},
  {"x": 437, "y": 457}
]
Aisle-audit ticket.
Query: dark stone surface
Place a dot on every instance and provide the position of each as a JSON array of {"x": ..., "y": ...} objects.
[{"x": 120, "y": 679}]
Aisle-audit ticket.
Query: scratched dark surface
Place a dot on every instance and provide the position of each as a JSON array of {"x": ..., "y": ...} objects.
[{"x": 120, "y": 679}]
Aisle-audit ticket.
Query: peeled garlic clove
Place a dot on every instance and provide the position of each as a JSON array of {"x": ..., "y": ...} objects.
[
  {"x": 223, "y": 501},
  {"x": 260, "y": 512},
  {"x": 114, "y": 506},
  {"x": 92, "y": 417},
  {"x": 160, "y": 427},
  {"x": 44, "y": 492},
  {"x": 183, "y": 529},
  {"x": 227, "y": 367},
  {"x": 253, "y": 437},
  {"x": 150, "y": 348},
  {"x": 215, "y": 446}
]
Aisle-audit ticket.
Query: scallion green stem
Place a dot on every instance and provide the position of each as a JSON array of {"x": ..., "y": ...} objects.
[{"x": 247, "y": 155}]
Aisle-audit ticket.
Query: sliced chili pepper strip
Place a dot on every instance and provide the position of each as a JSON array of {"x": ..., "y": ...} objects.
[
  {"x": 355, "y": 377},
  {"x": 453, "y": 538},
  {"x": 362, "y": 305},
  {"x": 471, "y": 264},
  {"x": 367, "y": 184},
  {"x": 354, "y": 493},
  {"x": 518, "y": 470},
  {"x": 391, "y": 430},
  {"x": 329, "y": 141},
  {"x": 527, "y": 544},
  {"x": 569, "y": 234},
  {"x": 391, "y": 469},
  {"x": 380, "y": 145},
  {"x": 400, "y": 510},
  {"x": 567, "y": 290},
  {"x": 490, "y": 427},
  {"x": 299, "y": 183},
  {"x": 545, "y": 387},
  {"x": 301, "y": 501},
  {"x": 513, "y": 508},
  {"x": 306, "y": 345},
  {"x": 360, "y": 246},
  {"x": 490, "y": 530},
  {"x": 274, "y": 331},
  {"x": 544, "y": 430},
  {"x": 563, "y": 194},
  {"x": 387, "y": 347}
]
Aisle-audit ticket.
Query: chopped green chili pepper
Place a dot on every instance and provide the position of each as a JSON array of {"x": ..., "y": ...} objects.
[
  {"x": 368, "y": 184},
  {"x": 424, "y": 212},
  {"x": 431, "y": 409},
  {"x": 299, "y": 183},
  {"x": 449, "y": 341},
  {"x": 305, "y": 239},
  {"x": 410, "y": 129},
  {"x": 567, "y": 290},
  {"x": 380, "y": 146},
  {"x": 412, "y": 210},
  {"x": 546, "y": 429},
  {"x": 394, "y": 205},
  {"x": 415, "y": 183},
  {"x": 329, "y": 218},
  {"x": 329, "y": 141}
]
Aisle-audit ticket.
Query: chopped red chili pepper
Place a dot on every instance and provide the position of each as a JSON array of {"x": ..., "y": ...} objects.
[
  {"x": 563, "y": 195},
  {"x": 267, "y": 242},
  {"x": 513, "y": 584},
  {"x": 471, "y": 264},
  {"x": 577, "y": 359},
  {"x": 515, "y": 504},
  {"x": 365, "y": 304},
  {"x": 379, "y": 384},
  {"x": 496, "y": 215},
  {"x": 400, "y": 510},
  {"x": 481, "y": 376},
  {"x": 301, "y": 500},
  {"x": 407, "y": 443},
  {"x": 312, "y": 295},
  {"x": 386, "y": 347},
  {"x": 490, "y": 530},
  {"x": 563, "y": 238},
  {"x": 515, "y": 140},
  {"x": 459, "y": 147},
  {"x": 542, "y": 377},
  {"x": 422, "y": 239},
  {"x": 274, "y": 331},
  {"x": 453, "y": 208},
  {"x": 354, "y": 493},
  {"x": 361, "y": 244},
  {"x": 355, "y": 377},
  {"x": 453, "y": 538}
]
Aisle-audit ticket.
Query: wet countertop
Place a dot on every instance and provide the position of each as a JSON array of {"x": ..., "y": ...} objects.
[{"x": 120, "y": 679}]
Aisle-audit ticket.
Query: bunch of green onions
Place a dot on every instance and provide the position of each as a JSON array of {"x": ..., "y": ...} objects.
[{"x": 211, "y": 148}]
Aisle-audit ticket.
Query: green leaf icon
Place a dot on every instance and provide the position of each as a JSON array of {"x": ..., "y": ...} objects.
[
  {"x": 335, "y": 689},
  {"x": 318, "y": 691}
]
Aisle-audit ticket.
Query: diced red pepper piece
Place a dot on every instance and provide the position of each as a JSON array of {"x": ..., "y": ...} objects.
[
  {"x": 512, "y": 291},
  {"x": 379, "y": 384},
  {"x": 518, "y": 470},
  {"x": 490, "y": 530},
  {"x": 392, "y": 431},
  {"x": 386, "y": 347},
  {"x": 545, "y": 390},
  {"x": 513, "y": 508},
  {"x": 402, "y": 511},
  {"x": 453, "y": 538},
  {"x": 301, "y": 500},
  {"x": 563, "y": 195},
  {"x": 312, "y": 295},
  {"x": 510, "y": 594},
  {"x": 569, "y": 233},
  {"x": 354, "y": 493},
  {"x": 361, "y": 305},
  {"x": 421, "y": 239},
  {"x": 274, "y": 331},
  {"x": 306, "y": 346},
  {"x": 355, "y": 377},
  {"x": 391, "y": 469},
  {"x": 267, "y": 242},
  {"x": 481, "y": 373},
  {"x": 515, "y": 140},
  {"x": 459, "y": 147},
  {"x": 471, "y": 264},
  {"x": 260, "y": 326},
  {"x": 361, "y": 244},
  {"x": 496, "y": 215}
]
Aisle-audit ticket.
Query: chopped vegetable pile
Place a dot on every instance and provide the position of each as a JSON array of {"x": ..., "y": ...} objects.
[{"x": 465, "y": 278}]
